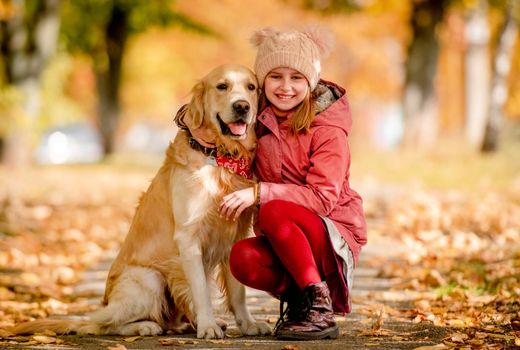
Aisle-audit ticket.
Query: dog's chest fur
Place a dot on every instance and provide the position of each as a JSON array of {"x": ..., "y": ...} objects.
[{"x": 201, "y": 189}]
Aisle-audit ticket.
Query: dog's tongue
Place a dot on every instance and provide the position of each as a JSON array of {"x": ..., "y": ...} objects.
[{"x": 237, "y": 128}]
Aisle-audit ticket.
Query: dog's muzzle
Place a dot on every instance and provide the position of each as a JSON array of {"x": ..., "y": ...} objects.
[{"x": 237, "y": 128}]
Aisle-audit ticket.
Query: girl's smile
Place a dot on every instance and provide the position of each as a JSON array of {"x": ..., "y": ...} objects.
[{"x": 285, "y": 88}]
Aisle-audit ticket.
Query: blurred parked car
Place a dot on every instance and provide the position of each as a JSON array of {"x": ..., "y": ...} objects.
[
  {"x": 148, "y": 138},
  {"x": 74, "y": 143}
]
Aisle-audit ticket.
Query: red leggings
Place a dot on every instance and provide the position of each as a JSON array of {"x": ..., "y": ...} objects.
[{"x": 293, "y": 248}]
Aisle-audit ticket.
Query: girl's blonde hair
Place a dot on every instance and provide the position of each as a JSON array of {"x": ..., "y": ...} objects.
[{"x": 302, "y": 115}]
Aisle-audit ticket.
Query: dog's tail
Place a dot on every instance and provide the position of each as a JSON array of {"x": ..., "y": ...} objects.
[
  {"x": 99, "y": 322},
  {"x": 57, "y": 326}
]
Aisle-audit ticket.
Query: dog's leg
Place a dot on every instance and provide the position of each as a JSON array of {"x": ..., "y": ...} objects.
[
  {"x": 137, "y": 295},
  {"x": 191, "y": 260},
  {"x": 179, "y": 324},
  {"x": 236, "y": 299}
]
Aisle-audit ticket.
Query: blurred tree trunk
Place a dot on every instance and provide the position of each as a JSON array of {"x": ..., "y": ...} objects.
[
  {"x": 477, "y": 75},
  {"x": 419, "y": 98},
  {"x": 109, "y": 75},
  {"x": 28, "y": 40},
  {"x": 101, "y": 29},
  {"x": 499, "y": 86}
]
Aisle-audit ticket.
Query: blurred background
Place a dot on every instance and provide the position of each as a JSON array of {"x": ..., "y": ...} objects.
[
  {"x": 89, "y": 88},
  {"x": 87, "y": 80}
]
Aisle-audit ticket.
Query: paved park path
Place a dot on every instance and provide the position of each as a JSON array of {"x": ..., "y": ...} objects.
[{"x": 371, "y": 296}]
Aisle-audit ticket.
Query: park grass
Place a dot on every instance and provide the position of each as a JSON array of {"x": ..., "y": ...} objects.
[{"x": 449, "y": 165}]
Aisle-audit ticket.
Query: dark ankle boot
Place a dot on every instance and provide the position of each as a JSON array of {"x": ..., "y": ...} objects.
[{"x": 309, "y": 317}]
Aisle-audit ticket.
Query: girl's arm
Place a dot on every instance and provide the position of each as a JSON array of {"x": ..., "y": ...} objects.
[{"x": 330, "y": 161}]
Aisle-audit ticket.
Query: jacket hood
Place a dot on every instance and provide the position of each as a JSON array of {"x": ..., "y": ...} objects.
[{"x": 332, "y": 106}]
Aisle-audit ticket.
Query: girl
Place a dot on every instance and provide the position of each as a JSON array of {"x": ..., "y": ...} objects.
[{"x": 310, "y": 226}]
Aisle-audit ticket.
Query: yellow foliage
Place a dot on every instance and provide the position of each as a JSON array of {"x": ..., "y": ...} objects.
[{"x": 162, "y": 65}]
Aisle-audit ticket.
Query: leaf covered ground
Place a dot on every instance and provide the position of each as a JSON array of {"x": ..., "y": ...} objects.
[
  {"x": 455, "y": 258},
  {"x": 459, "y": 263}
]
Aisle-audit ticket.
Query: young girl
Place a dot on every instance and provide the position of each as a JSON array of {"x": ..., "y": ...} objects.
[{"x": 310, "y": 226}]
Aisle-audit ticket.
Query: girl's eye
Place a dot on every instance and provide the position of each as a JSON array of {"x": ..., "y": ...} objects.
[
  {"x": 274, "y": 76},
  {"x": 297, "y": 77},
  {"x": 222, "y": 86}
]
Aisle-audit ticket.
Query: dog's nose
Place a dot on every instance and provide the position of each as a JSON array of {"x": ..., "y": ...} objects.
[{"x": 241, "y": 107}]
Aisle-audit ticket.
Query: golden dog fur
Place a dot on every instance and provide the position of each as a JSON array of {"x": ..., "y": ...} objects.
[{"x": 160, "y": 279}]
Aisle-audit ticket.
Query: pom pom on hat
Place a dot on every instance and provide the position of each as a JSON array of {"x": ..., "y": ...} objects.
[
  {"x": 322, "y": 37},
  {"x": 299, "y": 50},
  {"x": 261, "y": 35}
]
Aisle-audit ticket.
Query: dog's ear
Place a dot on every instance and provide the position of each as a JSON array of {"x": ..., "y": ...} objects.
[{"x": 196, "y": 105}]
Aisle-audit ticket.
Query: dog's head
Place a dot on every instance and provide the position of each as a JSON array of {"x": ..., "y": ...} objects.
[{"x": 225, "y": 101}]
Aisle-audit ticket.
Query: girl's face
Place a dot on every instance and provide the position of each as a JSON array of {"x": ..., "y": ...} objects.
[{"x": 285, "y": 88}]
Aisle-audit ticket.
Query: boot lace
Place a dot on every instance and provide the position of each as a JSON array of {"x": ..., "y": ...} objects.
[
  {"x": 283, "y": 313},
  {"x": 297, "y": 308}
]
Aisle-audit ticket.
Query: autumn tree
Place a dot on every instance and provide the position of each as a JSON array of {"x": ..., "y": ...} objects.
[
  {"x": 28, "y": 37},
  {"x": 101, "y": 29},
  {"x": 419, "y": 97},
  {"x": 484, "y": 98},
  {"x": 507, "y": 34}
]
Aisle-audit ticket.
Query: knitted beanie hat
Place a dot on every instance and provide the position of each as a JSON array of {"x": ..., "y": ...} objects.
[{"x": 299, "y": 50}]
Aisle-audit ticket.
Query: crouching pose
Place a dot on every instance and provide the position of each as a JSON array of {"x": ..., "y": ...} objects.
[{"x": 310, "y": 226}]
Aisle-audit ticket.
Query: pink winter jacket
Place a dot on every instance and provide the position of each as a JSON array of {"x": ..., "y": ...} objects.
[{"x": 312, "y": 169}]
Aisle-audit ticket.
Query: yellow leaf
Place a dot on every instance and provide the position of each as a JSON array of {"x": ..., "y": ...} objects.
[
  {"x": 233, "y": 335},
  {"x": 167, "y": 341},
  {"x": 117, "y": 347},
  {"x": 132, "y": 339},
  {"x": 432, "y": 347},
  {"x": 30, "y": 342},
  {"x": 30, "y": 279},
  {"x": 47, "y": 340},
  {"x": 517, "y": 341},
  {"x": 397, "y": 338},
  {"x": 5, "y": 334},
  {"x": 458, "y": 337},
  {"x": 290, "y": 347},
  {"x": 49, "y": 333},
  {"x": 456, "y": 323},
  {"x": 423, "y": 305},
  {"x": 220, "y": 342},
  {"x": 501, "y": 336}
]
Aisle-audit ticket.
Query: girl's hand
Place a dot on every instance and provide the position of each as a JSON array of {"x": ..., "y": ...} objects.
[{"x": 235, "y": 203}]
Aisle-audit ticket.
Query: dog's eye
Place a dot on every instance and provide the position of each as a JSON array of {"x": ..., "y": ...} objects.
[
  {"x": 222, "y": 86},
  {"x": 251, "y": 87}
]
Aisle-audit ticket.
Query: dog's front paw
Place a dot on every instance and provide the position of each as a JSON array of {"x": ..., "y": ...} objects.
[
  {"x": 255, "y": 328},
  {"x": 209, "y": 331}
]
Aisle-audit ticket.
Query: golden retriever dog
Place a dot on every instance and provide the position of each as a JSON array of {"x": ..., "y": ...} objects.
[{"x": 177, "y": 240}]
